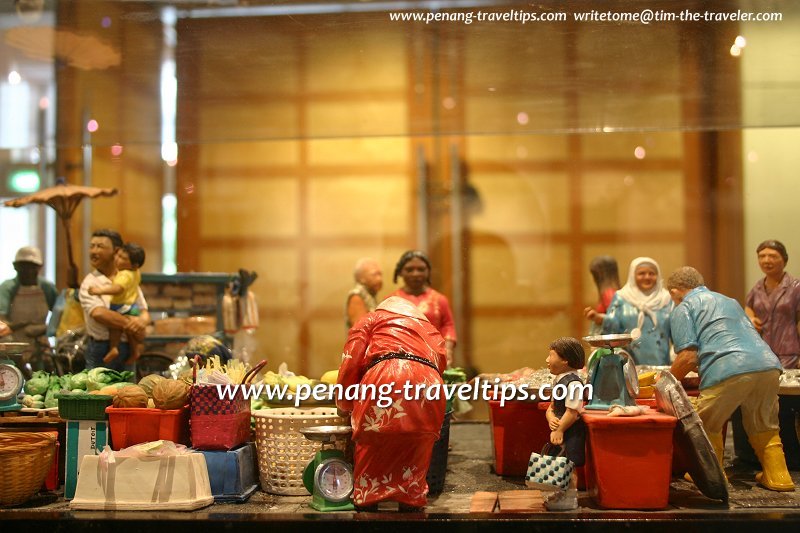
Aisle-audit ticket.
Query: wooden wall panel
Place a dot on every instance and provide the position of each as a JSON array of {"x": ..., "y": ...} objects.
[
  {"x": 532, "y": 275},
  {"x": 519, "y": 149},
  {"x": 621, "y": 146},
  {"x": 357, "y": 152},
  {"x": 522, "y": 203},
  {"x": 339, "y": 61},
  {"x": 242, "y": 207},
  {"x": 503, "y": 344},
  {"x": 632, "y": 201},
  {"x": 377, "y": 206}
]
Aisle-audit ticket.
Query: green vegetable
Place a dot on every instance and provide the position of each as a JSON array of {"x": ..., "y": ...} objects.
[
  {"x": 38, "y": 384},
  {"x": 66, "y": 382},
  {"x": 100, "y": 377},
  {"x": 79, "y": 380},
  {"x": 50, "y": 399}
]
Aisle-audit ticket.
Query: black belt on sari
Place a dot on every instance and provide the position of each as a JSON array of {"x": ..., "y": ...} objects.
[{"x": 402, "y": 355}]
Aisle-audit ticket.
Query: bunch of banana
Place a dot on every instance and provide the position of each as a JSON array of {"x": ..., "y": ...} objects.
[
  {"x": 647, "y": 381},
  {"x": 291, "y": 382},
  {"x": 330, "y": 377}
]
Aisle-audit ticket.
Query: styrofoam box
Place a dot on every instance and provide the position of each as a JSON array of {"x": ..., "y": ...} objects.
[
  {"x": 84, "y": 437},
  {"x": 178, "y": 483}
]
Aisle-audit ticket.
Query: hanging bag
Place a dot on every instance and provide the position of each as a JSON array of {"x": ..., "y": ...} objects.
[
  {"x": 219, "y": 423},
  {"x": 547, "y": 471}
]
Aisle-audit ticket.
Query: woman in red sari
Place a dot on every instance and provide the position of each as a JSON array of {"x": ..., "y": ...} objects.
[
  {"x": 415, "y": 269},
  {"x": 394, "y": 431}
]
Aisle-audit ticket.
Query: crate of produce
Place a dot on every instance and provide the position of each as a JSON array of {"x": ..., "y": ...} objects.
[
  {"x": 136, "y": 425},
  {"x": 25, "y": 460},
  {"x": 283, "y": 452},
  {"x": 84, "y": 406}
]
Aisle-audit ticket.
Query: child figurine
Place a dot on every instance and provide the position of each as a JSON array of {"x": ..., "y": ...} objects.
[
  {"x": 566, "y": 357},
  {"x": 124, "y": 291}
]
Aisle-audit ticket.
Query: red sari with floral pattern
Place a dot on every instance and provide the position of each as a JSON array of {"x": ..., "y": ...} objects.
[
  {"x": 393, "y": 440},
  {"x": 436, "y": 307}
]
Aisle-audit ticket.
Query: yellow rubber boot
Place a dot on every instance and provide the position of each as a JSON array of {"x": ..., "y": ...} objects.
[
  {"x": 769, "y": 450},
  {"x": 719, "y": 448}
]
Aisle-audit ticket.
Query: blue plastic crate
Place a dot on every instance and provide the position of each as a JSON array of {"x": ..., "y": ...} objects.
[{"x": 232, "y": 473}]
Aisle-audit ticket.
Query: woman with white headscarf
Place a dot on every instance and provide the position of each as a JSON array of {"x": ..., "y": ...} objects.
[{"x": 643, "y": 305}]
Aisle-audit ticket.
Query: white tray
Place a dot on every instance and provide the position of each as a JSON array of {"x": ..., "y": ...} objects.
[{"x": 177, "y": 483}]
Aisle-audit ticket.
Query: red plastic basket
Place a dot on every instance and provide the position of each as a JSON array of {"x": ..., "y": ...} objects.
[
  {"x": 131, "y": 425},
  {"x": 219, "y": 423}
]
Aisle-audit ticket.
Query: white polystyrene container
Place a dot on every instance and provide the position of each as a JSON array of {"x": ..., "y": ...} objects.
[{"x": 178, "y": 483}]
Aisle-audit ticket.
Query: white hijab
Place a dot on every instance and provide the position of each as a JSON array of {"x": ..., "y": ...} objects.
[{"x": 649, "y": 303}]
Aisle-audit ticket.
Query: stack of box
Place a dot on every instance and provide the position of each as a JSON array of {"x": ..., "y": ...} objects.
[{"x": 84, "y": 437}]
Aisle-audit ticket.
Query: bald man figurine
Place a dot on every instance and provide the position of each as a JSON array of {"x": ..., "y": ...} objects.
[{"x": 361, "y": 299}]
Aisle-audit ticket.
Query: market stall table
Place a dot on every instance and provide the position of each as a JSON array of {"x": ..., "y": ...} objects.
[{"x": 629, "y": 460}]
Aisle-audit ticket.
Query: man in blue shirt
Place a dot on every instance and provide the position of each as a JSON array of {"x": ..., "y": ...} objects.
[{"x": 712, "y": 335}]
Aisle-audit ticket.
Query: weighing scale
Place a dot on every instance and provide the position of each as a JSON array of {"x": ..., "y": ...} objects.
[
  {"x": 11, "y": 379},
  {"x": 612, "y": 372},
  {"x": 328, "y": 477}
]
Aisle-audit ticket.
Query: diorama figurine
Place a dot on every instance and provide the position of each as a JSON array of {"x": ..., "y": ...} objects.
[
  {"x": 361, "y": 298},
  {"x": 124, "y": 291},
  {"x": 773, "y": 305},
  {"x": 605, "y": 273},
  {"x": 415, "y": 269},
  {"x": 642, "y": 307},
  {"x": 567, "y": 428},
  {"x": 26, "y": 299},
  {"x": 393, "y": 349},
  {"x": 103, "y": 247},
  {"x": 713, "y": 336}
]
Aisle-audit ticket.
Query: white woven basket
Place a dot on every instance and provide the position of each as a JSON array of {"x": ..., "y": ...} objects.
[{"x": 283, "y": 452}]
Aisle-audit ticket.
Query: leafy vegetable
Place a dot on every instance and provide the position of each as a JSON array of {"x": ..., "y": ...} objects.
[
  {"x": 66, "y": 382},
  {"x": 38, "y": 384},
  {"x": 100, "y": 377},
  {"x": 79, "y": 380}
]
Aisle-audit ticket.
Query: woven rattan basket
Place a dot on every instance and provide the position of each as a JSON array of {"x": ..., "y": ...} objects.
[
  {"x": 25, "y": 459},
  {"x": 283, "y": 452}
]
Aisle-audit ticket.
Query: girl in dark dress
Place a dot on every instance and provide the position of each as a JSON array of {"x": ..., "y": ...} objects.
[{"x": 567, "y": 429}]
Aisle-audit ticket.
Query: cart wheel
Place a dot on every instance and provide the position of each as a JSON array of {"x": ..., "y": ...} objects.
[{"x": 153, "y": 363}]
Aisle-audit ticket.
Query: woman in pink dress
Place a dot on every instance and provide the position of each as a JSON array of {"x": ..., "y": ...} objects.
[
  {"x": 415, "y": 269},
  {"x": 396, "y": 351}
]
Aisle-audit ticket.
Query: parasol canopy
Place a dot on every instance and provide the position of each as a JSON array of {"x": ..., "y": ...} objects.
[
  {"x": 64, "y": 198},
  {"x": 82, "y": 51}
]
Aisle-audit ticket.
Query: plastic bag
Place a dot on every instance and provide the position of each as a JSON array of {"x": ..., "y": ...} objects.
[{"x": 67, "y": 314}]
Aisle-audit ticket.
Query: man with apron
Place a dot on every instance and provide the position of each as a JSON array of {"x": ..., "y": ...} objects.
[{"x": 25, "y": 302}]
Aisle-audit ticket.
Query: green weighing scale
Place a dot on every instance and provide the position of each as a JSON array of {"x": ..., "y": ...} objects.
[
  {"x": 11, "y": 379},
  {"x": 612, "y": 372},
  {"x": 329, "y": 477}
]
